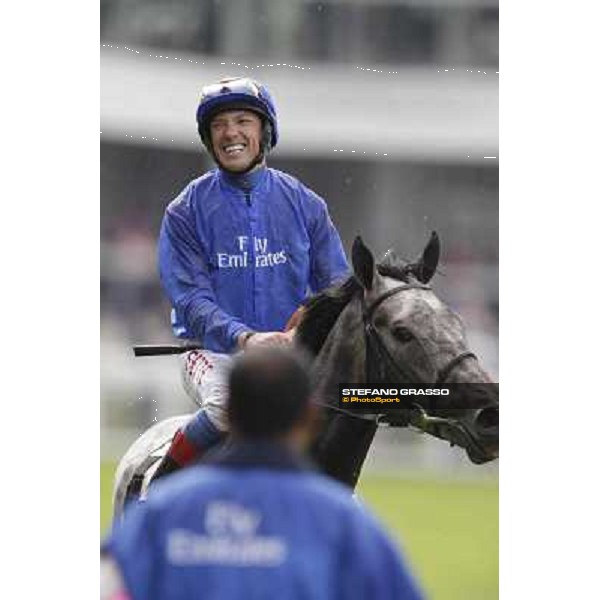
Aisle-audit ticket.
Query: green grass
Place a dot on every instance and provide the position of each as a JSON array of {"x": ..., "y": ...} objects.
[
  {"x": 107, "y": 473},
  {"x": 448, "y": 530}
]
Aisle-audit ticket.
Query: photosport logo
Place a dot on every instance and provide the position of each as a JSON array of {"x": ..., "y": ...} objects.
[{"x": 400, "y": 396}]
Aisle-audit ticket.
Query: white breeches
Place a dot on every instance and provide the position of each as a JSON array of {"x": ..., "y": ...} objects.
[{"x": 205, "y": 375}]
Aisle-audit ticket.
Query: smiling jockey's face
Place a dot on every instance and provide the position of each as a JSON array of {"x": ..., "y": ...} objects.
[{"x": 235, "y": 137}]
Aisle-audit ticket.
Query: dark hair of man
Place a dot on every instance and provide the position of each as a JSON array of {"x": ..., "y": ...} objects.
[{"x": 268, "y": 392}]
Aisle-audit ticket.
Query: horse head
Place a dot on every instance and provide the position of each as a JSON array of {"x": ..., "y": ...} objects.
[{"x": 412, "y": 337}]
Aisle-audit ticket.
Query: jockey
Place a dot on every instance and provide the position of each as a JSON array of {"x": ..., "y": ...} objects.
[{"x": 240, "y": 248}]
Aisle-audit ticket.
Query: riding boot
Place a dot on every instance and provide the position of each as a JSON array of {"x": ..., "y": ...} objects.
[
  {"x": 181, "y": 453},
  {"x": 189, "y": 444}
]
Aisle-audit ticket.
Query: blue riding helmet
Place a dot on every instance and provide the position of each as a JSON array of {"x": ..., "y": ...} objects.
[{"x": 242, "y": 93}]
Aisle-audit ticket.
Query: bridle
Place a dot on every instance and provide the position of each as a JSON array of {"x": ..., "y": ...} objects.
[{"x": 379, "y": 362}]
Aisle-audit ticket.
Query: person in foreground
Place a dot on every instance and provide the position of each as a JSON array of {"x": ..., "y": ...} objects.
[
  {"x": 239, "y": 251},
  {"x": 254, "y": 521}
]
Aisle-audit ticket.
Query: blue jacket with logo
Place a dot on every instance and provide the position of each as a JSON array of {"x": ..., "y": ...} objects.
[
  {"x": 256, "y": 525},
  {"x": 239, "y": 253}
]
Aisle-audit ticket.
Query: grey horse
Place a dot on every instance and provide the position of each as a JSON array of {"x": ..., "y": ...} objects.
[{"x": 384, "y": 324}]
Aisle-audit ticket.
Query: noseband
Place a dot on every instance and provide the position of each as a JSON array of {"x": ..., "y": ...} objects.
[{"x": 379, "y": 360}]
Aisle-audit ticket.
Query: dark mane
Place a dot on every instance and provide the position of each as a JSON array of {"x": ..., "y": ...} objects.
[{"x": 323, "y": 310}]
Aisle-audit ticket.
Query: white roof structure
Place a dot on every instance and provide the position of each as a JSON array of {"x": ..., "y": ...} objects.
[{"x": 150, "y": 96}]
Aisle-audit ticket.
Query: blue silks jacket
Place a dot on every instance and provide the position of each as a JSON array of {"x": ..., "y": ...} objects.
[
  {"x": 256, "y": 525},
  {"x": 240, "y": 253}
]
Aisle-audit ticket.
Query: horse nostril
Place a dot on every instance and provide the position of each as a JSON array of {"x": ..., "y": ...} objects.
[{"x": 487, "y": 421}]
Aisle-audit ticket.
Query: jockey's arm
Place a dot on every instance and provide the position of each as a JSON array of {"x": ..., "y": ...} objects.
[{"x": 185, "y": 278}]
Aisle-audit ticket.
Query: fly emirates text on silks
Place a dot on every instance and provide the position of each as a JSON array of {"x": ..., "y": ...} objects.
[{"x": 262, "y": 258}]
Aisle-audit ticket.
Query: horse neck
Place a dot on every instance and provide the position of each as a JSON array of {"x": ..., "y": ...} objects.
[{"x": 342, "y": 357}]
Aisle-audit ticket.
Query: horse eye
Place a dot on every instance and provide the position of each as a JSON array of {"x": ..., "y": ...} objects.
[{"x": 402, "y": 334}]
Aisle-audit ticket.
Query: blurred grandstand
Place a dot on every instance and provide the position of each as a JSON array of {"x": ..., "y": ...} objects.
[{"x": 389, "y": 110}]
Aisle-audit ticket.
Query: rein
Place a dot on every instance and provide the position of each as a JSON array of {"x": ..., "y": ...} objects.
[{"x": 379, "y": 361}]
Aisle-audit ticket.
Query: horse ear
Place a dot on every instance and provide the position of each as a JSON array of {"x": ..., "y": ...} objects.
[
  {"x": 425, "y": 268},
  {"x": 363, "y": 263}
]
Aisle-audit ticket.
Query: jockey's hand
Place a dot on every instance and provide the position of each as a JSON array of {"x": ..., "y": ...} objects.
[{"x": 267, "y": 338}]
